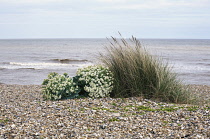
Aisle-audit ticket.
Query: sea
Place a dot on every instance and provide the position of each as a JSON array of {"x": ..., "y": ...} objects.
[{"x": 29, "y": 61}]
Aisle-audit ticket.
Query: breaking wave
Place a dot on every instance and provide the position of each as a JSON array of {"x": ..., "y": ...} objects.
[
  {"x": 67, "y": 61},
  {"x": 37, "y": 64},
  {"x": 25, "y": 65}
]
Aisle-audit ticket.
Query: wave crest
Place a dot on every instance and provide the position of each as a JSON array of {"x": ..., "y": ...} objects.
[
  {"x": 37, "y": 64},
  {"x": 22, "y": 65},
  {"x": 69, "y": 60}
]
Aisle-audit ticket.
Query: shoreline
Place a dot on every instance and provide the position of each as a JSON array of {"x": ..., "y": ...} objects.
[{"x": 24, "y": 113}]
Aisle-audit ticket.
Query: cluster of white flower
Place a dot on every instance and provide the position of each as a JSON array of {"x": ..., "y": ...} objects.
[
  {"x": 98, "y": 80},
  {"x": 59, "y": 86}
]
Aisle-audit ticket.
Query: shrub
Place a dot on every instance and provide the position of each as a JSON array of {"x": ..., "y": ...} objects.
[
  {"x": 59, "y": 87},
  {"x": 137, "y": 73},
  {"x": 95, "y": 81}
]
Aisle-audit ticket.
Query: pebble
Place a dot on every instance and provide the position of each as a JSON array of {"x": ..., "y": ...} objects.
[
  {"x": 13, "y": 126},
  {"x": 24, "y": 114},
  {"x": 115, "y": 114}
]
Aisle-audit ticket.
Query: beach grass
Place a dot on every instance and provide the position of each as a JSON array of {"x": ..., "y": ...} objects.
[{"x": 138, "y": 73}]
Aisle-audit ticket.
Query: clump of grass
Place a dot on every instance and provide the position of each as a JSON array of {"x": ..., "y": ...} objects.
[
  {"x": 144, "y": 108},
  {"x": 193, "y": 108},
  {"x": 4, "y": 121},
  {"x": 137, "y": 73},
  {"x": 113, "y": 119}
]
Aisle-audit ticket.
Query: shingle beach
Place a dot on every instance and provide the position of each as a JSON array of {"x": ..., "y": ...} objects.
[{"x": 24, "y": 114}]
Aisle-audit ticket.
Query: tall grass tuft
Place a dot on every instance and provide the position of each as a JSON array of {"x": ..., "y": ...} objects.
[{"x": 138, "y": 73}]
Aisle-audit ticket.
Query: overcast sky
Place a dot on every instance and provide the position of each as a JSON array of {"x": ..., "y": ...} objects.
[{"x": 104, "y": 18}]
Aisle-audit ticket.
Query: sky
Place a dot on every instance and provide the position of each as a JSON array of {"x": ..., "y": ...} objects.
[{"x": 180, "y": 19}]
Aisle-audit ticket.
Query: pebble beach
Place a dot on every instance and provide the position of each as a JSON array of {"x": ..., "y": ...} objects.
[{"x": 24, "y": 114}]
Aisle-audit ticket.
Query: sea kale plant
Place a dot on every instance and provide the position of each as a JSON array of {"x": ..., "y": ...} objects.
[
  {"x": 59, "y": 87},
  {"x": 93, "y": 81},
  {"x": 96, "y": 81}
]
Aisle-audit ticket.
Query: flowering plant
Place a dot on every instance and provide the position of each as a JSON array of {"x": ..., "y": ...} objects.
[
  {"x": 59, "y": 86},
  {"x": 97, "y": 81}
]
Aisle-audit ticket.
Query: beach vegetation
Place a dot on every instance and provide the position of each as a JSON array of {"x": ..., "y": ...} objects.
[
  {"x": 4, "y": 121},
  {"x": 95, "y": 81},
  {"x": 114, "y": 104},
  {"x": 127, "y": 70},
  {"x": 193, "y": 108},
  {"x": 113, "y": 119},
  {"x": 92, "y": 81},
  {"x": 139, "y": 74},
  {"x": 58, "y": 87}
]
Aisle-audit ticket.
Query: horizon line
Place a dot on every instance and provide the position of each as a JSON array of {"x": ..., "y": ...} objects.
[{"x": 103, "y": 38}]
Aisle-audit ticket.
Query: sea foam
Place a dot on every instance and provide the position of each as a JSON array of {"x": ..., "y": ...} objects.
[{"x": 43, "y": 65}]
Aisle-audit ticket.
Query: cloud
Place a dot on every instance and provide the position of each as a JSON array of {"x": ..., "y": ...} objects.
[
  {"x": 29, "y": 1},
  {"x": 138, "y": 9},
  {"x": 116, "y": 15},
  {"x": 156, "y": 4},
  {"x": 105, "y": 5}
]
